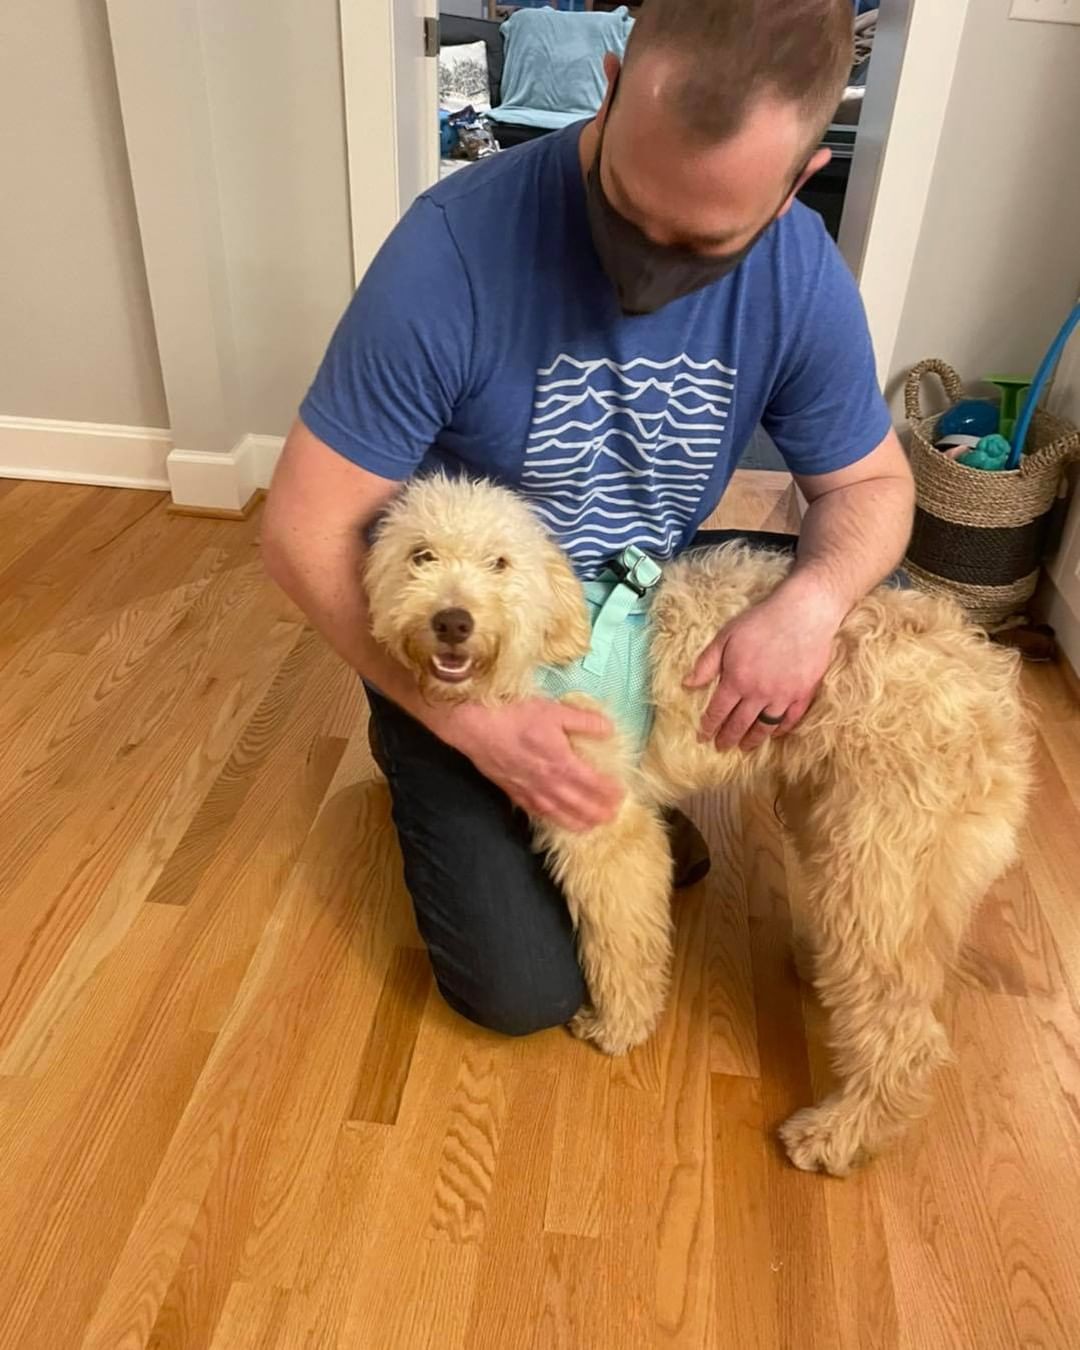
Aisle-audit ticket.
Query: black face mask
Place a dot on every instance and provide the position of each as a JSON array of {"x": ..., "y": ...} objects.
[{"x": 645, "y": 275}]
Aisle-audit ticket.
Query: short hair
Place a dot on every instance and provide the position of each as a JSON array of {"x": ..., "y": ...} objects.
[{"x": 736, "y": 51}]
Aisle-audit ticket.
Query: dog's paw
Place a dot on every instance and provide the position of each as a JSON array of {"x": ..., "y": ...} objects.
[
  {"x": 822, "y": 1139},
  {"x": 606, "y": 1035}
]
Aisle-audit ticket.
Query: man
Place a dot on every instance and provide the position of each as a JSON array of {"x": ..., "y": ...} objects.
[{"x": 600, "y": 319}]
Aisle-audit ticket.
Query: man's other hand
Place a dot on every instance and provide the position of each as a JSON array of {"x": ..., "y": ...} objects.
[{"x": 770, "y": 659}]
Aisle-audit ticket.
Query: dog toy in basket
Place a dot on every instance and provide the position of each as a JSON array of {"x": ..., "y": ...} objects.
[{"x": 980, "y": 536}]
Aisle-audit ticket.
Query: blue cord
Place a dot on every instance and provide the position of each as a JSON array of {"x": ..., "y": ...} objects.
[{"x": 1023, "y": 422}]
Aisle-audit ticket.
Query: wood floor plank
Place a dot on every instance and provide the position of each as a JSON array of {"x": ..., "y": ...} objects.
[
  {"x": 685, "y": 1237},
  {"x": 334, "y": 1239},
  {"x": 732, "y": 1027},
  {"x": 253, "y": 1318},
  {"x": 745, "y": 1265},
  {"x": 1003, "y": 1084},
  {"x": 29, "y": 510},
  {"x": 572, "y": 1311},
  {"x": 579, "y": 1154},
  {"x": 387, "y": 1058},
  {"x": 1009, "y": 948},
  {"x": 44, "y": 1159},
  {"x": 625, "y": 1303},
  {"x": 175, "y": 1272},
  {"x": 470, "y": 1150},
  {"x": 806, "y": 1307},
  {"x": 1050, "y": 845},
  {"x": 33, "y": 587},
  {"x": 397, "y": 1238},
  {"x": 438, "y": 1316},
  {"x": 862, "y": 1271},
  {"x": 219, "y": 807},
  {"x": 509, "y": 1291},
  {"x": 96, "y": 904},
  {"x": 85, "y": 1186}
]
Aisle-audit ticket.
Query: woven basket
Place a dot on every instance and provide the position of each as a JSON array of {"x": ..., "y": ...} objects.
[{"x": 979, "y": 536}]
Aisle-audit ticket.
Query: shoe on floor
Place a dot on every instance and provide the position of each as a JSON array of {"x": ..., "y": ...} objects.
[{"x": 688, "y": 849}]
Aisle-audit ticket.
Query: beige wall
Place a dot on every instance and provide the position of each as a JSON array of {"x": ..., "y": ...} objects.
[
  {"x": 998, "y": 259},
  {"x": 75, "y": 326},
  {"x": 273, "y": 80}
]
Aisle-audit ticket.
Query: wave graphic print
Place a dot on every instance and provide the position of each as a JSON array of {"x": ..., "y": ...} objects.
[{"x": 621, "y": 454}]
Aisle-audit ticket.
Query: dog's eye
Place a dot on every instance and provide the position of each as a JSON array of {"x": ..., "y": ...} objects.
[
  {"x": 499, "y": 564},
  {"x": 420, "y": 556}
]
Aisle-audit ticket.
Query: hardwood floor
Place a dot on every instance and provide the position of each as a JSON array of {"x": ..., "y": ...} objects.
[{"x": 235, "y": 1116}]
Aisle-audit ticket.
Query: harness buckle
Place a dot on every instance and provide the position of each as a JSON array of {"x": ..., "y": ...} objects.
[{"x": 635, "y": 569}]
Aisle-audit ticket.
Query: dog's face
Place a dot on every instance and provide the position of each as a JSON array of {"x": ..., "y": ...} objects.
[{"x": 468, "y": 592}]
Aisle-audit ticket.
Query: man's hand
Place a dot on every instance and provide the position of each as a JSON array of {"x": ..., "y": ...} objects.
[
  {"x": 769, "y": 660},
  {"x": 524, "y": 749}
]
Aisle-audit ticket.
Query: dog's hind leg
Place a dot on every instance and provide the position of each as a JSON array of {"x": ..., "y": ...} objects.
[
  {"x": 617, "y": 883},
  {"x": 878, "y": 970}
]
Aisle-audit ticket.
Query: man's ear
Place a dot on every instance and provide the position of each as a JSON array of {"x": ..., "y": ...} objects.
[
  {"x": 612, "y": 66},
  {"x": 814, "y": 165},
  {"x": 566, "y": 621}
]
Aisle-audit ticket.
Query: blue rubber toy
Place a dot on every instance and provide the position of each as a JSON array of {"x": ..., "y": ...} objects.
[{"x": 970, "y": 417}]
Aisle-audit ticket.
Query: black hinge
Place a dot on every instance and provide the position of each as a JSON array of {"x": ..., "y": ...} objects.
[{"x": 431, "y": 37}]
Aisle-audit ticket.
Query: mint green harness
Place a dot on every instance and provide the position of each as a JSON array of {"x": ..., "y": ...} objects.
[{"x": 615, "y": 670}]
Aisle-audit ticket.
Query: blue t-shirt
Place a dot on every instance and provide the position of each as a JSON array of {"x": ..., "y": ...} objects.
[{"x": 486, "y": 339}]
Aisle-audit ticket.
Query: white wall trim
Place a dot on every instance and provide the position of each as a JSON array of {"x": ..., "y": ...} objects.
[
  {"x": 103, "y": 455},
  {"x": 265, "y": 451},
  {"x": 84, "y": 452},
  {"x": 367, "y": 70},
  {"x": 223, "y": 482}
]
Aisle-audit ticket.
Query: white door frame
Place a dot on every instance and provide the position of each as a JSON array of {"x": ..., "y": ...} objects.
[
  {"x": 372, "y": 95},
  {"x": 911, "y": 75}
]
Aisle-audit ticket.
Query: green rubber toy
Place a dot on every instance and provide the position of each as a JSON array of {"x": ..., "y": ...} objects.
[{"x": 1013, "y": 389}]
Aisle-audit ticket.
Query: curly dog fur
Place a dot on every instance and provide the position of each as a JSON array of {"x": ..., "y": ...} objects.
[{"x": 903, "y": 786}]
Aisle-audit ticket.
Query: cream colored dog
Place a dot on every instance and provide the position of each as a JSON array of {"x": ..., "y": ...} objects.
[{"x": 903, "y": 785}]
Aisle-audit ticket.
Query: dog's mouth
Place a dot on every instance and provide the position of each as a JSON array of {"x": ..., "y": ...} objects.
[{"x": 451, "y": 667}]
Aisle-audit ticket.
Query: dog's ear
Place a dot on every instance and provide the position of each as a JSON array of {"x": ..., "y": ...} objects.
[{"x": 566, "y": 622}]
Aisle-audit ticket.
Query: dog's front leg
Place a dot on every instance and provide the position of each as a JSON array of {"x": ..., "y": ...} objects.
[{"x": 617, "y": 883}]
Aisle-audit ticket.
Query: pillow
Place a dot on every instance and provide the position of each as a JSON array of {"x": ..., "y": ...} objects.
[
  {"x": 553, "y": 73},
  {"x": 463, "y": 77}
]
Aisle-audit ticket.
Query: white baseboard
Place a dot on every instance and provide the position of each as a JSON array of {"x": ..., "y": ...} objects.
[
  {"x": 103, "y": 455},
  {"x": 223, "y": 482},
  {"x": 84, "y": 452},
  {"x": 265, "y": 450}
]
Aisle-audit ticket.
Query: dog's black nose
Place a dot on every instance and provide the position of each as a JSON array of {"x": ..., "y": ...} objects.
[{"x": 452, "y": 625}]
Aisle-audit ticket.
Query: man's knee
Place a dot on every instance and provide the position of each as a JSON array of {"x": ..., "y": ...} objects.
[{"x": 519, "y": 1008}]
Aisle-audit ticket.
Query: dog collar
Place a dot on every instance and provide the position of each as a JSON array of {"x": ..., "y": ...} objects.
[{"x": 634, "y": 574}]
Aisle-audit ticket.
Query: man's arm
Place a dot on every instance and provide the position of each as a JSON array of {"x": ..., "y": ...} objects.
[
  {"x": 312, "y": 540},
  {"x": 312, "y": 544},
  {"x": 856, "y": 527},
  {"x": 772, "y": 658}
]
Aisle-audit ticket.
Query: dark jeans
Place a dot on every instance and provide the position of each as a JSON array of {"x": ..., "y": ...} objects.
[{"x": 495, "y": 924}]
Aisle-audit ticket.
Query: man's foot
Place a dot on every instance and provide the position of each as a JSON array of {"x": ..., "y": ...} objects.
[{"x": 688, "y": 849}]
